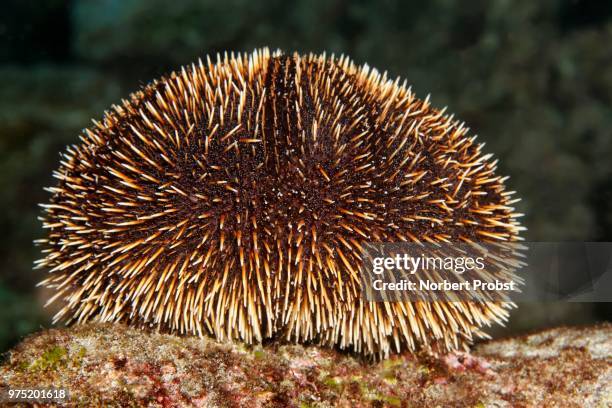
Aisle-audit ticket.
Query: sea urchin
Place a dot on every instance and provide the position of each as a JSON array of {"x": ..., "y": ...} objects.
[{"x": 233, "y": 198}]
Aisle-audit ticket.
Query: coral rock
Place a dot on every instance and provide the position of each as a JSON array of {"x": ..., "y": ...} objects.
[{"x": 115, "y": 365}]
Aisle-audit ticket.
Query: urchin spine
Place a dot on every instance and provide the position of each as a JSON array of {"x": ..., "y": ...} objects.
[{"x": 234, "y": 198}]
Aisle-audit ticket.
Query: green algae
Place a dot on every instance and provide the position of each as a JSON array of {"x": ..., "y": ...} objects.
[{"x": 51, "y": 359}]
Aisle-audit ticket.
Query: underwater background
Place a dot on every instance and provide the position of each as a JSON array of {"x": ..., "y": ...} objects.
[{"x": 532, "y": 79}]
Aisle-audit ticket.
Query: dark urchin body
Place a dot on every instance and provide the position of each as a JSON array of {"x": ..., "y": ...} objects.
[{"x": 234, "y": 199}]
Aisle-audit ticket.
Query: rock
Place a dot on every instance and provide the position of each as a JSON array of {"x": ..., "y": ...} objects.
[{"x": 115, "y": 365}]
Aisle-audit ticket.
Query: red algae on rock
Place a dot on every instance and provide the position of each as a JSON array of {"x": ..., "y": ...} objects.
[{"x": 118, "y": 366}]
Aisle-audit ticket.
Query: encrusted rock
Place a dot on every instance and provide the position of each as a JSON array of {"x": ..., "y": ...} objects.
[{"x": 114, "y": 365}]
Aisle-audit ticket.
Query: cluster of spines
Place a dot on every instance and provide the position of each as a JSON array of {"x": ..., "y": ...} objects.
[{"x": 234, "y": 198}]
